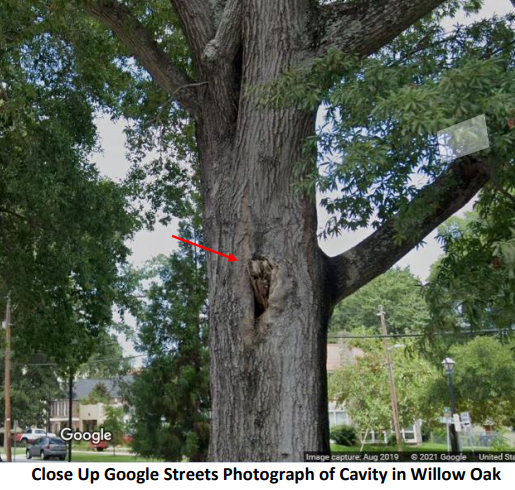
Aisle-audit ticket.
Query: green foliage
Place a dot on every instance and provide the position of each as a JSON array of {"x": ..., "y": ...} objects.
[
  {"x": 33, "y": 385},
  {"x": 67, "y": 54},
  {"x": 170, "y": 395},
  {"x": 378, "y": 144},
  {"x": 364, "y": 388},
  {"x": 99, "y": 394},
  {"x": 63, "y": 226},
  {"x": 344, "y": 435},
  {"x": 471, "y": 287},
  {"x": 106, "y": 360},
  {"x": 399, "y": 291},
  {"x": 114, "y": 424},
  {"x": 484, "y": 380},
  {"x": 501, "y": 443}
]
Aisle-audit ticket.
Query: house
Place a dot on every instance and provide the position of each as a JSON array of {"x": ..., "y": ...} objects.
[
  {"x": 90, "y": 397},
  {"x": 339, "y": 355}
]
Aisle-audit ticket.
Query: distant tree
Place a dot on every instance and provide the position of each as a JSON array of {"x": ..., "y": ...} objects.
[
  {"x": 484, "y": 381},
  {"x": 107, "y": 359},
  {"x": 399, "y": 291},
  {"x": 114, "y": 424},
  {"x": 34, "y": 383},
  {"x": 170, "y": 395},
  {"x": 364, "y": 387},
  {"x": 99, "y": 394}
]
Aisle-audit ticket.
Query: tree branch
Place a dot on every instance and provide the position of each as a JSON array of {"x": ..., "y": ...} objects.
[
  {"x": 363, "y": 27},
  {"x": 227, "y": 42},
  {"x": 14, "y": 213},
  {"x": 434, "y": 204},
  {"x": 198, "y": 24},
  {"x": 21, "y": 217},
  {"x": 140, "y": 43}
]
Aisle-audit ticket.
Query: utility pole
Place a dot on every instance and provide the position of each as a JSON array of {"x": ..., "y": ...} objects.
[
  {"x": 7, "y": 426},
  {"x": 393, "y": 392},
  {"x": 70, "y": 412}
]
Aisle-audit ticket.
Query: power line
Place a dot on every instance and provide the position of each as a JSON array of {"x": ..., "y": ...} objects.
[
  {"x": 418, "y": 334},
  {"x": 343, "y": 336},
  {"x": 94, "y": 361}
]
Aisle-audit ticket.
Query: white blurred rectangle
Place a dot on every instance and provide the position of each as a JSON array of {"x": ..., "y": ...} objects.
[{"x": 463, "y": 139}]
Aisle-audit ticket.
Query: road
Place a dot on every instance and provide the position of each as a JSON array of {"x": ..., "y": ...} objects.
[{"x": 21, "y": 457}]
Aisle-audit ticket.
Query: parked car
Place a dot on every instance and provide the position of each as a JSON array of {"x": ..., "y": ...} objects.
[
  {"x": 47, "y": 447},
  {"x": 99, "y": 446},
  {"x": 32, "y": 435}
]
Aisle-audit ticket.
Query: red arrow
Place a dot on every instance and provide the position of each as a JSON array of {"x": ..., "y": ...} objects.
[{"x": 231, "y": 257}]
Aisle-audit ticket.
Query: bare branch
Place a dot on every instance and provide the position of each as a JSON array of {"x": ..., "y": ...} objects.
[
  {"x": 198, "y": 24},
  {"x": 434, "y": 204},
  {"x": 140, "y": 43},
  {"x": 364, "y": 27},
  {"x": 227, "y": 42}
]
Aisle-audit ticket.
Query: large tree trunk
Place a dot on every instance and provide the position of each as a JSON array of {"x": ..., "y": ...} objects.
[{"x": 268, "y": 311}]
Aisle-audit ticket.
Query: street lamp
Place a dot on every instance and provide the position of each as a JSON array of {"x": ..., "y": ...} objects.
[{"x": 449, "y": 364}]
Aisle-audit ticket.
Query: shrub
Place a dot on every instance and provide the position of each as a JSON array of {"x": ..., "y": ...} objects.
[
  {"x": 500, "y": 443},
  {"x": 345, "y": 435},
  {"x": 392, "y": 440},
  {"x": 426, "y": 432}
]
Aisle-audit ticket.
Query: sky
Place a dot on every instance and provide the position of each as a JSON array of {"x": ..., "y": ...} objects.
[{"x": 112, "y": 162}]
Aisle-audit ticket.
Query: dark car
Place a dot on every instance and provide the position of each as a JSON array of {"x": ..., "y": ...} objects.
[{"x": 48, "y": 447}]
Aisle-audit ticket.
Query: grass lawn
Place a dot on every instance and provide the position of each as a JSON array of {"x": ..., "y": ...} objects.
[
  {"x": 426, "y": 446},
  {"x": 432, "y": 448},
  {"x": 80, "y": 445}
]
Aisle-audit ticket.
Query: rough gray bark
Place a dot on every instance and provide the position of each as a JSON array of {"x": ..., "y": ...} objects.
[
  {"x": 268, "y": 328},
  {"x": 269, "y": 311},
  {"x": 227, "y": 41},
  {"x": 198, "y": 27},
  {"x": 363, "y": 27}
]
